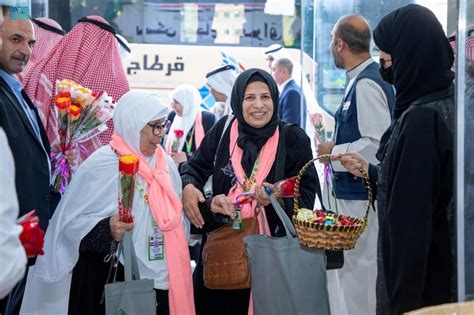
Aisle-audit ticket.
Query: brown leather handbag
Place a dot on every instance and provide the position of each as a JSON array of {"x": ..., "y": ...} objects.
[{"x": 225, "y": 260}]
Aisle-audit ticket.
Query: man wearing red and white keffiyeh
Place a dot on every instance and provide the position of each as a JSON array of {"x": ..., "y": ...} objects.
[
  {"x": 48, "y": 33},
  {"x": 89, "y": 55}
]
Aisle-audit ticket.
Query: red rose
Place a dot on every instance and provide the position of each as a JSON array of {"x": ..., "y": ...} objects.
[
  {"x": 32, "y": 238},
  {"x": 178, "y": 133}
]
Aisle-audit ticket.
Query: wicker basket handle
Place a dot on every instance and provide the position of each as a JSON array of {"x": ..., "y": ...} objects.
[{"x": 307, "y": 165}]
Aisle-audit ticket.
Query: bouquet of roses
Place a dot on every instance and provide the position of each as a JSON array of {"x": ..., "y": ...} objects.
[
  {"x": 32, "y": 236},
  {"x": 178, "y": 133},
  {"x": 128, "y": 167},
  {"x": 78, "y": 116}
]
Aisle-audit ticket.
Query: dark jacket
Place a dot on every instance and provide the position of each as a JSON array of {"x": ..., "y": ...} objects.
[
  {"x": 415, "y": 183},
  {"x": 32, "y": 176},
  {"x": 289, "y": 104}
]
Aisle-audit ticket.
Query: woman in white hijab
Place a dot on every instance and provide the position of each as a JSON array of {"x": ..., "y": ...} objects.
[
  {"x": 188, "y": 123},
  {"x": 85, "y": 227}
]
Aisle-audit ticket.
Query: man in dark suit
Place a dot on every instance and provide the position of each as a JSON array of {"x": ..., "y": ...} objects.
[
  {"x": 25, "y": 133},
  {"x": 290, "y": 109}
]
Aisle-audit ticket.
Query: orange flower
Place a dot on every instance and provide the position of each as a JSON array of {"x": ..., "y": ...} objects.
[
  {"x": 128, "y": 164},
  {"x": 63, "y": 103},
  {"x": 74, "y": 112}
]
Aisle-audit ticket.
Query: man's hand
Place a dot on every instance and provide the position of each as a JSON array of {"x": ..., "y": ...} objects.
[
  {"x": 191, "y": 198},
  {"x": 71, "y": 155},
  {"x": 323, "y": 149},
  {"x": 352, "y": 162},
  {"x": 222, "y": 204},
  {"x": 118, "y": 228},
  {"x": 179, "y": 157}
]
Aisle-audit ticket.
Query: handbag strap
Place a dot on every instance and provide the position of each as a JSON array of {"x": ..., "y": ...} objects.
[
  {"x": 289, "y": 228},
  {"x": 127, "y": 249},
  {"x": 130, "y": 258}
]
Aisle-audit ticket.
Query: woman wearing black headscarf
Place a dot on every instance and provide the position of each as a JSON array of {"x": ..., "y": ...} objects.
[
  {"x": 249, "y": 137},
  {"x": 414, "y": 180}
]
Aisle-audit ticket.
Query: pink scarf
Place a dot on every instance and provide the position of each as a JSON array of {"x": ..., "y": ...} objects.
[
  {"x": 266, "y": 159},
  {"x": 198, "y": 130},
  {"x": 167, "y": 209}
]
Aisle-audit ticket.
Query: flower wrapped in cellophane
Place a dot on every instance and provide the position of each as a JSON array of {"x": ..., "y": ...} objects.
[
  {"x": 32, "y": 236},
  {"x": 284, "y": 188},
  {"x": 320, "y": 136},
  {"x": 128, "y": 168},
  {"x": 79, "y": 115}
]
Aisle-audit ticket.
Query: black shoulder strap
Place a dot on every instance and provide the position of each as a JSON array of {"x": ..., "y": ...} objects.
[
  {"x": 230, "y": 117},
  {"x": 281, "y": 153}
]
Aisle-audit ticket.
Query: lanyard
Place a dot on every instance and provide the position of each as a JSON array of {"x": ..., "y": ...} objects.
[
  {"x": 189, "y": 143},
  {"x": 144, "y": 195},
  {"x": 250, "y": 181}
]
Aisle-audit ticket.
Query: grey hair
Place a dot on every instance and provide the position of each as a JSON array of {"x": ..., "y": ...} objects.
[
  {"x": 285, "y": 63},
  {"x": 356, "y": 38}
]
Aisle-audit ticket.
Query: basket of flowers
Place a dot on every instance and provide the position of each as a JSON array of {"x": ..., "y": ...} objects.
[{"x": 327, "y": 229}]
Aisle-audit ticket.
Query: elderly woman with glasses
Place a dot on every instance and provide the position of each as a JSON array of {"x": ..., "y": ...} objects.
[{"x": 85, "y": 228}]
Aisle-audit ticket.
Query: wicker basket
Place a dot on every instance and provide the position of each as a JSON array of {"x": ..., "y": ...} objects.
[
  {"x": 331, "y": 237},
  {"x": 446, "y": 309}
]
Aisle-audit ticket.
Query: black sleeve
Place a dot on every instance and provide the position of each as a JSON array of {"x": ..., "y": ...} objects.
[
  {"x": 201, "y": 165},
  {"x": 373, "y": 177},
  {"x": 208, "y": 120},
  {"x": 298, "y": 153},
  {"x": 99, "y": 239},
  {"x": 414, "y": 186}
]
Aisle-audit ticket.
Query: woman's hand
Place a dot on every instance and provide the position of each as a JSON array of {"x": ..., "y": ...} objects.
[
  {"x": 179, "y": 157},
  {"x": 71, "y": 154},
  {"x": 221, "y": 204},
  {"x": 191, "y": 199},
  {"x": 261, "y": 195},
  {"x": 353, "y": 163},
  {"x": 118, "y": 228}
]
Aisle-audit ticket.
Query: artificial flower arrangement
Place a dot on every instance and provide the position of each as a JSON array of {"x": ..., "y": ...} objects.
[
  {"x": 32, "y": 236},
  {"x": 78, "y": 116},
  {"x": 128, "y": 168}
]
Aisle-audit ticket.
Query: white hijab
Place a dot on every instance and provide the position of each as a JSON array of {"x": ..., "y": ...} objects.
[
  {"x": 90, "y": 198},
  {"x": 188, "y": 96}
]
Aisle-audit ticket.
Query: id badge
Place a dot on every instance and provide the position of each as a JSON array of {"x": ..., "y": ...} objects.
[
  {"x": 237, "y": 224},
  {"x": 155, "y": 247}
]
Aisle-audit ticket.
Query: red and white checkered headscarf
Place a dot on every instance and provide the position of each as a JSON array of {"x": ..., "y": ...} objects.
[
  {"x": 48, "y": 33},
  {"x": 88, "y": 55},
  {"x": 469, "y": 43}
]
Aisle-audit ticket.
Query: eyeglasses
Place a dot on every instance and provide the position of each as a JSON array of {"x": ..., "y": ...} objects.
[
  {"x": 158, "y": 128},
  {"x": 383, "y": 61}
]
